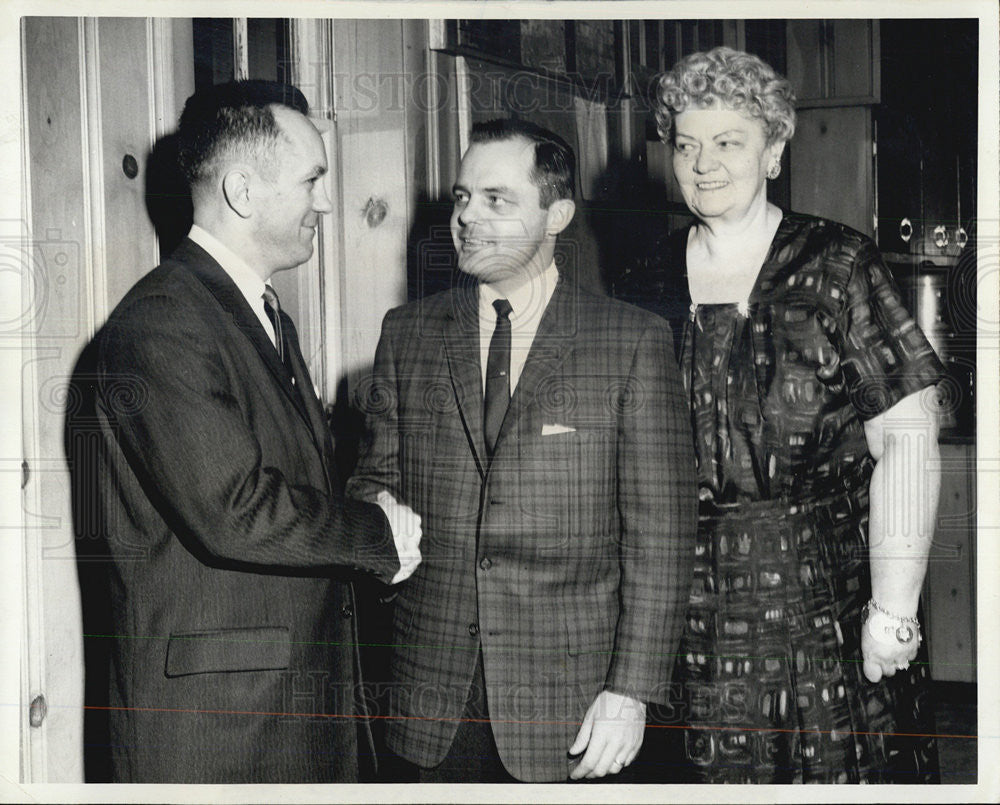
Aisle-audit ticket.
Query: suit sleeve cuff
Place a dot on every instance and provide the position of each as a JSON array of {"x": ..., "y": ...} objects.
[{"x": 368, "y": 529}]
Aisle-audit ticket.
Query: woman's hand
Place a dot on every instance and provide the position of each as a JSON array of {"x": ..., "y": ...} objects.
[{"x": 883, "y": 655}]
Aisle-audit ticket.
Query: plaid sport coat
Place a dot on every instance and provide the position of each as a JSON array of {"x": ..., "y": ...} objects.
[{"x": 567, "y": 558}]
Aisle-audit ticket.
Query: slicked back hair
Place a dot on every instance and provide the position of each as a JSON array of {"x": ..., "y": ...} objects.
[
  {"x": 232, "y": 120},
  {"x": 555, "y": 163}
]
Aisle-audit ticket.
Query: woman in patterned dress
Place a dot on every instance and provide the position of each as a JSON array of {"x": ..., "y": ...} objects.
[{"x": 813, "y": 410}]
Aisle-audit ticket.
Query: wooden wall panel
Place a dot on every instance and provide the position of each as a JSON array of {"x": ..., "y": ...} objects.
[
  {"x": 949, "y": 591},
  {"x": 805, "y": 58},
  {"x": 831, "y": 165},
  {"x": 94, "y": 91},
  {"x": 371, "y": 95},
  {"x": 854, "y": 69},
  {"x": 127, "y": 128},
  {"x": 57, "y": 171}
]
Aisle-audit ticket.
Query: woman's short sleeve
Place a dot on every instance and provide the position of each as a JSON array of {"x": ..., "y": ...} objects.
[{"x": 884, "y": 355}]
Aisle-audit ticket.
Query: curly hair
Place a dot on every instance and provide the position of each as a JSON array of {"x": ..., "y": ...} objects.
[{"x": 732, "y": 78}]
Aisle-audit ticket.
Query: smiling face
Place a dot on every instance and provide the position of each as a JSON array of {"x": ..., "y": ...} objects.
[
  {"x": 290, "y": 194},
  {"x": 721, "y": 158},
  {"x": 500, "y": 231}
]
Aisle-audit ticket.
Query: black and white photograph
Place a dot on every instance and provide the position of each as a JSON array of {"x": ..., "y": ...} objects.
[{"x": 456, "y": 402}]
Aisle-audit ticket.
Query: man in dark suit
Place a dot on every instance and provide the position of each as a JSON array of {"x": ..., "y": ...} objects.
[
  {"x": 541, "y": 433},
  {"x": 211, "y": 477}
]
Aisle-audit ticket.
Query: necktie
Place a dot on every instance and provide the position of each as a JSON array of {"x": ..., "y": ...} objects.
[
  {"x": 273, "y": 310},
  {"x": 287, "y": 345},
  {"x": 497, "y": 376}
]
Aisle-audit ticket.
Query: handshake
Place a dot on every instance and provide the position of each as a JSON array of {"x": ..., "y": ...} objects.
[{"x": 405, "y": 525}]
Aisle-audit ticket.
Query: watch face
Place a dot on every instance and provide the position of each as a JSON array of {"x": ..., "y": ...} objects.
[{"x": 904, "y": 634}]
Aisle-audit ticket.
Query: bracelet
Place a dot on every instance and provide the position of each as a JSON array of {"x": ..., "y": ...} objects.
[
  {"x": 874, "y": 605},
  {"x": 888, "y": 628}
]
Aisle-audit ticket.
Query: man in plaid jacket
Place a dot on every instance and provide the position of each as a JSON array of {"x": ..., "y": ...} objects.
[{"x": 541, "y": 433}]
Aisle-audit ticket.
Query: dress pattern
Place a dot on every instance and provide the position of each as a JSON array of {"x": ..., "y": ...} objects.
[{"x": 769, "y": 668}]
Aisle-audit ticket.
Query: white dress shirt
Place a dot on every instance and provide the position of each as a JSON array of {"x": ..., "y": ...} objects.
[
  {"x": 528, "y": 304},
  {"x": 245, "y": 278}
]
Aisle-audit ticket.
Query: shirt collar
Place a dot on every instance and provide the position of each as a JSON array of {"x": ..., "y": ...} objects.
[
  {"x": 526, "y": 301},
  {"x": 245, "y": 278}
]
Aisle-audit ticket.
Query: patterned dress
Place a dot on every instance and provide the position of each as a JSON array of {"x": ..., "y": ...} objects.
[{"x": 769, "y": 669}]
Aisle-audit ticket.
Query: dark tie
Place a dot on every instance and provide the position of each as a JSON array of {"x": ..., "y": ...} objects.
[
  {"x": 287, "y": 345},
  {"x": 273, "y": 310},
  {"x": 497, "y": 376}
]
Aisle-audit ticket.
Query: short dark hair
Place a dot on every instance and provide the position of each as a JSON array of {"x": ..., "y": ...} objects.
[
  {"x": 555, "y": 163},
  {"x": 233, "y": 117}
]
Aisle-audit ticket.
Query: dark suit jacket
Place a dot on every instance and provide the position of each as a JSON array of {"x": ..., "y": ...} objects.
[
  {"x": 568, "y": 557},
  {"x": 210, "y": 478}
]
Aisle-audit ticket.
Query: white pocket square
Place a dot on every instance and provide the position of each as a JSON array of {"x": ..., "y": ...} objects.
[{"x": 552, "y": 430}]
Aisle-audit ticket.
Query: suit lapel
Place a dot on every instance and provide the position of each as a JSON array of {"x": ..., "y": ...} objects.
[
  {"x": 552, "y": 341},
  {"x": 232, "y": 301},
  {"x": 461, "y": 339}
]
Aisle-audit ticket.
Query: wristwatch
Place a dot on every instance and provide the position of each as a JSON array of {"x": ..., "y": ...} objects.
[{"x": 888, "y": 628}]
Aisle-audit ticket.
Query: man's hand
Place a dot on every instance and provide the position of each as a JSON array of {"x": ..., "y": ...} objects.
[
  {"x": 611, "y": 733},
  {"x": 405, "y": 524}
]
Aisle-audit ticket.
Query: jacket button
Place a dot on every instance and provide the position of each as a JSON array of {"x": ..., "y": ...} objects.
[
  {"x": 486, "y": 564},
  {"x": 347, "y": 611},
  {"x": 473, "y": 629}
]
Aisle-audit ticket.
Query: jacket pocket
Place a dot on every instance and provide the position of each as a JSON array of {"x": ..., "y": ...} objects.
[
  {"x": 592, "y": 633},
  {"x": 261, "y": 648}
]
